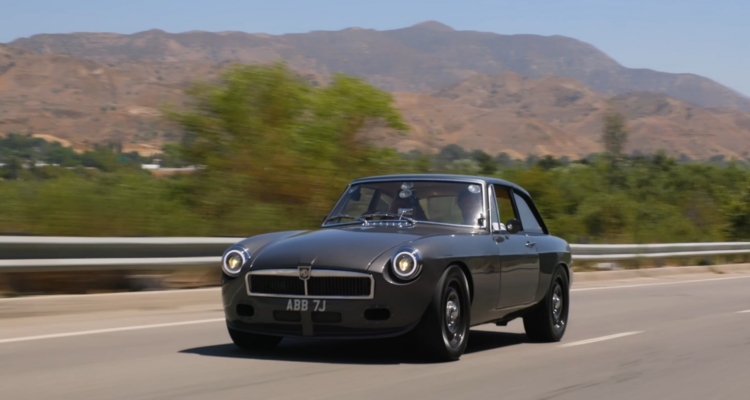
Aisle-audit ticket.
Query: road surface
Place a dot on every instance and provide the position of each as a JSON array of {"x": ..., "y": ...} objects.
[{"x": 687, "y": 339}]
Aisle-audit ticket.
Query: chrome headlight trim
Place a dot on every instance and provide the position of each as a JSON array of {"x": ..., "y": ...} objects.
[
  {"x": 235, "y": 250},
  {"x": 416, "y": 259}
]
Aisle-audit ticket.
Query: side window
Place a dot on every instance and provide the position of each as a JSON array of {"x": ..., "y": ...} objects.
[
  {"x": 504, "y": 205},
  {"x": 494, "y": 216},
  {"x": 528, "y": 220}
]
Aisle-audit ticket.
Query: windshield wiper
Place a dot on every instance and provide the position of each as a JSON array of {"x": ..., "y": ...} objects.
[
  {"x": 390, "y": 214},
  {"x": 339, "y": 216}
]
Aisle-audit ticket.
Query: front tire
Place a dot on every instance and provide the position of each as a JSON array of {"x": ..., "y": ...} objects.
[
  {"x": 253, "y": 341},
  {"x": 443, "y": 332},
  {"x": 548, "y": 320}
]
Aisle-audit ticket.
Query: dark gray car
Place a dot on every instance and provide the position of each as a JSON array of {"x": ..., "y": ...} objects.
[{"x": 427, "y": 256}]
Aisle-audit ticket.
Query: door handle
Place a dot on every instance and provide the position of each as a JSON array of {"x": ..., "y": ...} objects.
[{"x": 530, "y": 244}]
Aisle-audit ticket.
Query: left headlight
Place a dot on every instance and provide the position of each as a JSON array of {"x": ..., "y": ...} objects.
[
  {"x": 233, "y": 261},
  {"x": 406, "y": 264}
]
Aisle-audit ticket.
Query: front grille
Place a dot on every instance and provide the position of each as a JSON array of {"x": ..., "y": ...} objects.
[
  {"x": 272, "y": 284},
  {"x": 339, "y": 286},
  {"x": 321, "y": 284}
]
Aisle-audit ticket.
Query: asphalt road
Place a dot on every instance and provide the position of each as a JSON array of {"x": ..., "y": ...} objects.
[{"x": 683, "y": 340}]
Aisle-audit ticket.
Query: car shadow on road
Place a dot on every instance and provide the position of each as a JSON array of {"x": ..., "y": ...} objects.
[{"x": 372, "y": 352}]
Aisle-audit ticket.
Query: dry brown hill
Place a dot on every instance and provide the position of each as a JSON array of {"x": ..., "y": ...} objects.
[
  {"x": 423, "y": 57},
  {"x": 81, "y": 102},
  {"x": 561, "y": 116}
]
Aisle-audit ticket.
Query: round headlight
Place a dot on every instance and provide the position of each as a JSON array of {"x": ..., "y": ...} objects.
[
  {"x": 406, "y": 265},
  {"x": 233, "y": 261}
]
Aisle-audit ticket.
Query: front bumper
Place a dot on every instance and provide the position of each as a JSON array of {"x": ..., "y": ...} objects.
[{"x": 338, "y": 318}]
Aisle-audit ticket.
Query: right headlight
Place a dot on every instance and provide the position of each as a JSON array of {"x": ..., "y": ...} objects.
[
  {"x": 406, "y": 264},
  {"x": 233, "y": 261}
]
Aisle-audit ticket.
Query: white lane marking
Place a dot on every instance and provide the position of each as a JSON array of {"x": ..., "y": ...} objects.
[
  {"x": 600, "y": 339},
  {"x": 658, "y": 284},
  {"x": 98, "y": 331},
  {"x": 743, "y": 312}
]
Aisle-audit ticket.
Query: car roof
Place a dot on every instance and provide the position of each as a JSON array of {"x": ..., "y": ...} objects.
[{"x": 441, "y": 177}]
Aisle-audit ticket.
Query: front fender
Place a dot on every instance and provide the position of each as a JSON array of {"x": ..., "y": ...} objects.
[{"x": 476, "y": 257}]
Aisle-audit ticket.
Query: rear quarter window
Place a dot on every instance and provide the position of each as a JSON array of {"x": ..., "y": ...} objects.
[{"x": 529, "y": 221}]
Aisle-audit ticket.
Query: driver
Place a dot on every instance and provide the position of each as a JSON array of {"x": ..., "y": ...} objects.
[
  {"x": 410, "y": 203},
  {"x": 471, "y": 205}
]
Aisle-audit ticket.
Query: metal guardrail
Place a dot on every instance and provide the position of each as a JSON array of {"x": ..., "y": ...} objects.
[
  {"x": 617, "y": 252},
  {"x": 51, "y": 253},
  {"x": 63, "y": 253}
]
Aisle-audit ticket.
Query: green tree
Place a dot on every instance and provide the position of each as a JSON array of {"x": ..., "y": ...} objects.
[
  {"x": 172, "y": 156},
  {"x": 548, "y": 162},
  {"x": 276, "y": 149},
  {"x": 449, "y": 154},
  {"x": 614, "y": 136},
  {"x": 503, "y": 159},
  {"x": 738, "y": 214},
  {"x": 12, "y": 168},
  {"x": 487, "y": 165},
  {"x": 464, "y": 166}
]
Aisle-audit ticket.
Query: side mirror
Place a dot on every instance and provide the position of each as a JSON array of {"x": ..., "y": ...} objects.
[
  {"x": 499, "y": 227},
  {"x": 513, "y": 226}
]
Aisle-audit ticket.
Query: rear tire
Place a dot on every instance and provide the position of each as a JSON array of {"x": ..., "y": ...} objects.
[
  {"x": 253, "y": 341},
  {"x": 443, "y": 332},
  {"x": 547, "y": 321}
]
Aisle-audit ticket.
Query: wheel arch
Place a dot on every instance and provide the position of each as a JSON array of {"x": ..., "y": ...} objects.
[
  {"x": 567, "y": 271},
  {"x": 545, "y": 279},
  {"x": 467, "y": 274}
]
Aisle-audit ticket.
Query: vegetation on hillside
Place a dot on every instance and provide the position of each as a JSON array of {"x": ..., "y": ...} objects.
[
  {"x": 18, "y": 150},
  {"x": 278, "y": 152}
]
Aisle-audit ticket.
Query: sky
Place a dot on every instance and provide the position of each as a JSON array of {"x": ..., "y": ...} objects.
[{"x": 709, "y": 38}]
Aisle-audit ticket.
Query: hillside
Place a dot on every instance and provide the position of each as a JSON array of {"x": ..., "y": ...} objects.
[
  {"x": 420, "y": 58},
  {"x": 561, "y": 116},
  {"x": 80, "y": 102}
]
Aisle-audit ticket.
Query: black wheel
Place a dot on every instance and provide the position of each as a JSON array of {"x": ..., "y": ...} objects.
[
  {"x": 547, "y": 321},
  {"x": 253, "y": 341},
  {"x": 443, "y": 332}
]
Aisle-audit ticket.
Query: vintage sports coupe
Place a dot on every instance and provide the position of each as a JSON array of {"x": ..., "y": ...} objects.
[{"x": 426, "y": 256}]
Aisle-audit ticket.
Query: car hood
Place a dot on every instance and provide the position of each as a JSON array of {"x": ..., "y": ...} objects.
[{"x": 345, "y": 248}]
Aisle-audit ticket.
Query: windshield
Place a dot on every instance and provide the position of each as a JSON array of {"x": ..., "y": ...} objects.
[{"x": 422, "y": 201}]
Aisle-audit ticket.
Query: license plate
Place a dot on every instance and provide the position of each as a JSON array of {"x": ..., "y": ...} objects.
[{"x": 305, "y": 305}]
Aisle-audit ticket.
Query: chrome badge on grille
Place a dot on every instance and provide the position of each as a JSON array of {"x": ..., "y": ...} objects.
[{"x": 304, "y": 273}]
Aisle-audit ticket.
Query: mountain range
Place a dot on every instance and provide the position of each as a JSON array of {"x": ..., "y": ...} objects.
[
  {"x": 515, "y": 93},
  {"x": 563, "y": 117}
]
